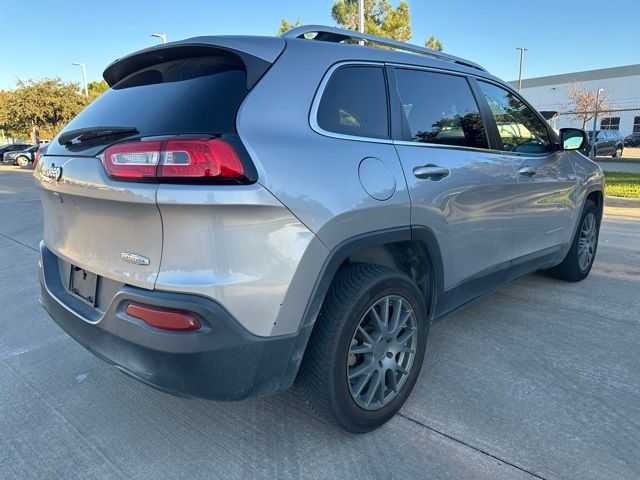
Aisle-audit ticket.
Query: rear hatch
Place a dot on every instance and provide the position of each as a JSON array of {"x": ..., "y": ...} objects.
[{"x": 106, "y": 223}]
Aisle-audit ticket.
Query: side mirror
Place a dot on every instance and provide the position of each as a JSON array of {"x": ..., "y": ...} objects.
[{"x": 572, "y": 138}]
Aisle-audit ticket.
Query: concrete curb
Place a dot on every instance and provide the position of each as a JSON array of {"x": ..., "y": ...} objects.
[{"x": 621, "y": 202}]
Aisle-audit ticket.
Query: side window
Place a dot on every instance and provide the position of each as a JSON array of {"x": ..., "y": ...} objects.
[
  {"x": 439, "y": 108},
  {"x": 519, "y": 127},
  {"x": 354, "y": 102}
]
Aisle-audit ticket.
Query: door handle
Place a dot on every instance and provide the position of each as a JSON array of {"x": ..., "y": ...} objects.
[
  {"x": 430, "y": 171},
  {"x": 528, "y": 171}
]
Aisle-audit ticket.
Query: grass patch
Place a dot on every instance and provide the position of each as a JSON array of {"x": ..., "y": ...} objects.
[{"x": 623, "y": 184}]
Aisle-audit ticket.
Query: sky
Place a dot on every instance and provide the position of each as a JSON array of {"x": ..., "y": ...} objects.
[{"x": 41, "y": 38}]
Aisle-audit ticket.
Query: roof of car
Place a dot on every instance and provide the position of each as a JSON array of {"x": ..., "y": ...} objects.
[
  {"x": 329, "y": 40},
  {"x": 339, "y": 35}
]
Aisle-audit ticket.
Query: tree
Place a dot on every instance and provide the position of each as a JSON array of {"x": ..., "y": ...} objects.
[
  {"x": 434, "y": 44},
  {"x": 583, "y": 103},
  {"x": 46, "y": 104},
  {"x": 380, "y": 18},
  {"x": 97, "y": 88},
  {"x": 285, "y": 25}
]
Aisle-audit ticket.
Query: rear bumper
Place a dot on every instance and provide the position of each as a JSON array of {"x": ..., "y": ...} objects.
[{"x": 220, "y": 361}]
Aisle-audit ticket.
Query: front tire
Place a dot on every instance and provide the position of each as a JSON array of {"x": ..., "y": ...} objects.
[
  {"x": 367, "y": 348},
  {"x": 617, "y": 153},
  {"x": 579, "y": 260}
]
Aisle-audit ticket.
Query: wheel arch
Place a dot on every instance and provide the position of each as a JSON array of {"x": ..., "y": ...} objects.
[
  {"x": 596, "y": 195},
  {"x": 412, "y": 250},
  {"x": 379, "y": 246}
]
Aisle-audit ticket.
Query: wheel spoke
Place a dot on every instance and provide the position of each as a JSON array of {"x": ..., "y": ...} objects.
[
  {"x": 379, "y": 322},
  {"x": 357, "y": 389},
  {"x": 405, "y": 349},
  {"x": 402, "y": 339},
  {"x": 374, "y": 385},
  {"x": 359, "y": 370},
  {"x": 366, "y": 335},
  {"x": 392, "y": 382},
  {"x": 385, "y": 312},
  {"x": 397, "y": 310},
  {"x": 403, "y": 321},
  {"x": 360, "y": 349}
]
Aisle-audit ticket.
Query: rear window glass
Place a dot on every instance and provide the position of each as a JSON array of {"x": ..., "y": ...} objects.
[
  {"x": 192, "y": 95},
  {"x": 355, "y": 103}
]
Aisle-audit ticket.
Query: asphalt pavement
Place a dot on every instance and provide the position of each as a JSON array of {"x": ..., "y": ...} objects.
[{"x": 540, "y": 379}]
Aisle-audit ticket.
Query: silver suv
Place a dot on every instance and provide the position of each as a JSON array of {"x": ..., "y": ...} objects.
[{"x": 237, "y": 213}]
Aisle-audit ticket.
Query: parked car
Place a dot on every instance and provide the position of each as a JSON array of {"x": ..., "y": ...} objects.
[
  {"x": 632, "y": 141},
  {"x": 312, "y": 210},
  {"x": 608, "y": 143},
  {"x": 23, "y": 158},
  {"x": 11, "y": 147}
]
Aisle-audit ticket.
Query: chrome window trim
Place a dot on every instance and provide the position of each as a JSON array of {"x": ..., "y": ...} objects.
[
  {"x": 442, "y": 70},
  {"x": 449, "y": 147},
  {"x": 474, "y": 149},
  {"x": 313, "y": 114}
]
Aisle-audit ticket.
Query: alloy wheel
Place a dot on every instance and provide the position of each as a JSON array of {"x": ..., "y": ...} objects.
[
  {"x": 587, "y": 241},
  {"x": 382, "y": 352}
]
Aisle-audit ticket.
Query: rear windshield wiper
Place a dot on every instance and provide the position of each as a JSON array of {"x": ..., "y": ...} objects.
[{"x": 90, "y": 133}]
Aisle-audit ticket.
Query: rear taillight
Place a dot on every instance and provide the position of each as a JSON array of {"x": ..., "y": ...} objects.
[
  {"x": 36, "y": 157},
  {"x": 173, "y": 159},
  {"x": 133, "y": 160}
]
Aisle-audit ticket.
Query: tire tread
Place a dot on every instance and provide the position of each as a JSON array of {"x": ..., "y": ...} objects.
[{"x": 315, "y": 372}]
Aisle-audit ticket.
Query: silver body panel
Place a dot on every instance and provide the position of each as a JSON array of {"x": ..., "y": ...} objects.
[
  {"x": 90, "y": 220},
  {"x": 471, "y": 211},
  {"x": 546, "y": 203},
  {"x": 260, "y": 249},
  {"x": 235, "y": 244}
]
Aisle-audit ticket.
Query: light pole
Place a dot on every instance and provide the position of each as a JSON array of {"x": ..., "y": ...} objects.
[
  {"x": 84, "y": 77},
  {"x": 595, "y": 123},
  {"x": 522, "y": 50},
  {"x": 161, "y": 36},
  {"x": 361, "y": 19}
]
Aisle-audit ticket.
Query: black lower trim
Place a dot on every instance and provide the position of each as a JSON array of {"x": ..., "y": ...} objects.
[
  {"x": 488, "y": 281},
  {"x": 221, "y": 361}
]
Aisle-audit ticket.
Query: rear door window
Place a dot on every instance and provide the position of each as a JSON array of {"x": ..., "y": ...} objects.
[
  {"x": 440, "y": 109},
  {"x": 191, "y": 95},
  {"x": 354, "y": 102}
]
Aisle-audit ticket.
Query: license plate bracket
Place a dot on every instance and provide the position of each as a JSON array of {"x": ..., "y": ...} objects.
[{"x": 83, "y": 285}]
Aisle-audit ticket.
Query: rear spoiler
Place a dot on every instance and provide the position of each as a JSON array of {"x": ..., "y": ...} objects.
[{"x": 257, "y": 54}]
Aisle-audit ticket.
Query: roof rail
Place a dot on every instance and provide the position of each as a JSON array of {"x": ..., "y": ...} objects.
[{"x": 337, "y": 35}]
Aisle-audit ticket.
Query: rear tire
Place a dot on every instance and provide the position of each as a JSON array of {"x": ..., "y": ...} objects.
[
  {"x": 617, "y": 153},
  {"x": 579, "y": 260},
  {"x": 359, "y": 369}
]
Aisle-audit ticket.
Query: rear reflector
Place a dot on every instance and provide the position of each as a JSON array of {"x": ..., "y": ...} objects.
[
  {"x": 173, "y": 159},
  {"x": 174, "y": 320}
]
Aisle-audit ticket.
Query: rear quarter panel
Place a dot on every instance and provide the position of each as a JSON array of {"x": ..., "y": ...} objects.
[{"x": 314, "y": 175}]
